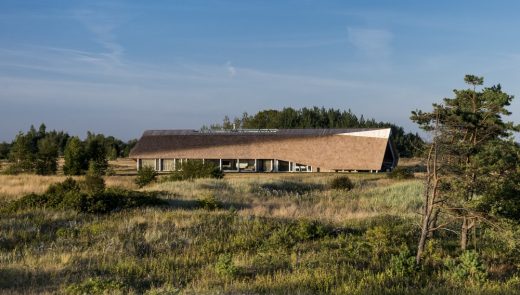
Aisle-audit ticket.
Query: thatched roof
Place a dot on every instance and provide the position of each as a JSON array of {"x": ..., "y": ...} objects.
[{"x": 361, "y": 149}]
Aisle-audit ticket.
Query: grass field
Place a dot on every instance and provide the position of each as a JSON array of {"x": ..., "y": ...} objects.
[{"x": 248, "y": 233}]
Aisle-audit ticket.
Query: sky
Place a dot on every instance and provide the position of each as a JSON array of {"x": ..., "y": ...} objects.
[{"x": 121, "y": 67}]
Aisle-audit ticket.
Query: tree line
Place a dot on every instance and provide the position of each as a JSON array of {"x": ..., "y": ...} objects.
[
  {"x": 408, "y": 144},
  {"x": 37, "y": 151}
]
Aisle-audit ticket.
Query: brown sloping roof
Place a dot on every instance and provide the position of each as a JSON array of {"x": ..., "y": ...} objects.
[{"x": 324, "y": 148}]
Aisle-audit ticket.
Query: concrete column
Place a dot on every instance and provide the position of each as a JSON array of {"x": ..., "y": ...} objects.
[
  {"x": 203, "y": 162},
  {"x": 275, "y": 167},
  {"x": 220, "y": 164},
  {"x": 138, "y": 164},
  {"x": 238, "y": 165},
  {"x": 256, "y": 160}
]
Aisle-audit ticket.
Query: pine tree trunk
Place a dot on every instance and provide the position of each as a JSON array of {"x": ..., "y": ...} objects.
[
  {"x": 433, "y": 223},
  {"x": 424, "y": 236}
]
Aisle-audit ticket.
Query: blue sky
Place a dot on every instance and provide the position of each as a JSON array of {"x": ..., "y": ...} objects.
[{"x": 120, "y": 67}]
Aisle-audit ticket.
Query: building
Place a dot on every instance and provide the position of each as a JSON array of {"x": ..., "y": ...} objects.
[{"x": 269, "y": 150}]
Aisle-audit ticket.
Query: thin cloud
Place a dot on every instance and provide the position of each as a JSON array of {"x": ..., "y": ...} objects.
[
  {"x": 102, "y": 28},
  {"x": 232, "y": 71},
  {"x": 371, "y": 42}
]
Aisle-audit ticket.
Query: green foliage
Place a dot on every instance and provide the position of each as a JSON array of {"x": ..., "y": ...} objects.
[
  {"x": 467, "y": 268},
  {"x": 476, "y": 160},
  {"x": 225, "y": 266},
  {"x": 96, "y": 153},
  {"x": 209, "y": 202},
  {"x": 76, "y": 161},
  {"x": 95, "y": 286},
  {"x": 46, "y": 157},
  {"x": 22, "y": 153},
  {"x": 408, "y": 144},
  {"x": 403, "y": 265},
  {"x": 309, "y": 230},
  {"x": 93, "y": 184},
  {"x": 145, "y": 176},
  {"x": 401, "y": 173},
  {"x": 341, "y": 183},
  {"x": 285, "y": 187},
  {"x": 193, "y": 169},
  {"x": 87, "y": 197},
  {"x": 4, "y": 150}
]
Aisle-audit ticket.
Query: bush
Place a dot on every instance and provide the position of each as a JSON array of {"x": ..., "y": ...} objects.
[
  {"x": 401, "y": 173},
  {"x": 71, "y": 195},
  {"x": 145, "y": 176},
  {"x": 284, "y": 187},
  {"x": 94, "y": 184},
  {"x": 467, "y": 268},
  {"x": 342, "y": 183},
  {"x": 225, "y": 266},
  {"x": 95, "y": 286},
  {"x": 194, "y": 169},
  {"x": 209, "y": 203},
  {"x": 310, "y": 230}
]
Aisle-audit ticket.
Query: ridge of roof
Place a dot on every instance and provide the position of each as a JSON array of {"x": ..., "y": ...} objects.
[{"x": 300, "y": 131}]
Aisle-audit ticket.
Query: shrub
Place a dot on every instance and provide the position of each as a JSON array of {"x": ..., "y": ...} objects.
[
  {"x": 342, "y": 183},
  {"x": 225, "y": 266},
  {"x": 194, "y": 169},
  {"x": 309, "y": 230},
  {"x": 467, "y": 268},
  {"x": 95, "y": 286},
  {"x": 401, "y": 173},
  {"x": 284, "y": 187},
  {"x": 93, "y": 184},
  {"x": 209, "y": 203},
  {"x": 68, "y": 195},
  {"x": 145, "y": 176}
]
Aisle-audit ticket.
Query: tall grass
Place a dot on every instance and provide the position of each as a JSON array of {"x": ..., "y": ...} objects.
[{"x": 311, "y": 241}]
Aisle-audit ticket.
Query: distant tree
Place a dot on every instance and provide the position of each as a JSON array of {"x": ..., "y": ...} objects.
[
  {"x": 96, "y": 153},
  {"x": 128, "y": 146},
  {"x": 21, "y": 153},
  {"x": 76, "y": 162},
  {"x": 4, "y": 150},
  {"x": 47, "y": 157},
  {"x": 408, "y": 144}
]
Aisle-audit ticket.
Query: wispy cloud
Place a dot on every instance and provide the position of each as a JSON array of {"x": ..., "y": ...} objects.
[
  {"x": 232, "y": 71},
  {"x": 371, "y": 42},
  {"x": 102, "y": 27}
]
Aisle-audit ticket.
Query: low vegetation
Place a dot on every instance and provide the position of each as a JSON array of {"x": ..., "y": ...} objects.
[
  {"x": 196, "y": 169},
  {"x": 265, "y": 234},
  {"x": 145, "y": 176},
  {"x": 342, "y": 183},
  {"x": 89, "y": 196},
  {"x": 401, "y": 173}
]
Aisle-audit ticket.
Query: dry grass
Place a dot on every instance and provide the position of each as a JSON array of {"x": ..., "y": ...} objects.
[
  {"x": 177, "y": 248},
  {"x": 373, "y": 195},
  {"x": 15, "y": 186}
]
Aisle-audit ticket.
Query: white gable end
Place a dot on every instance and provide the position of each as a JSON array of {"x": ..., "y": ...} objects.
[{"x": 379, "y": 133}]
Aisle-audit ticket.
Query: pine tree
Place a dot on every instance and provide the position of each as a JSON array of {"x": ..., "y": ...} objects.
[
  {"x": 47, "y": 157},
  {"x": 75, "y": 158},
  {"x": 466, "y": 127}
]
